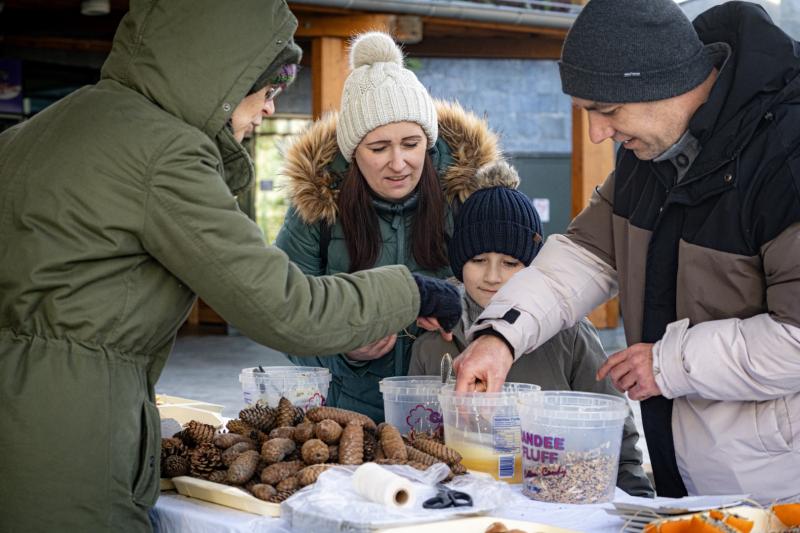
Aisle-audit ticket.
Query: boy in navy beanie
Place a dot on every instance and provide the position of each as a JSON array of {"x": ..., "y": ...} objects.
[{"x": 496, "y": 233}]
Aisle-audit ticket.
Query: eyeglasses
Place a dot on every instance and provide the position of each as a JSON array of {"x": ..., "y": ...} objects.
[{"x": 272, "y": 92}]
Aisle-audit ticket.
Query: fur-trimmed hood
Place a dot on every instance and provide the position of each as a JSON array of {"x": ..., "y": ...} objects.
[{"x": 313, "y": 185}]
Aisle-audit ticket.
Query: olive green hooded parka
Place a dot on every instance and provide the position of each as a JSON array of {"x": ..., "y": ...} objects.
[{"x": 117, "y": 207}]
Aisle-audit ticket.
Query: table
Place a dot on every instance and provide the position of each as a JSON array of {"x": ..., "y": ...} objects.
[{"x": 174, "y": 513}]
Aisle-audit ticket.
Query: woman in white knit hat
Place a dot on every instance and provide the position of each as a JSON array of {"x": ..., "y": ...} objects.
[{"x": 375, "y": 185}]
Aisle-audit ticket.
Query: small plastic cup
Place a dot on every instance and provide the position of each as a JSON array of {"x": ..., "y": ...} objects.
[
  {"x": 570, "y": 445},
  {"x": 304, "y": 386},
  {"x": 411, "y": 403},
  {"x": 484, "y": 428}
]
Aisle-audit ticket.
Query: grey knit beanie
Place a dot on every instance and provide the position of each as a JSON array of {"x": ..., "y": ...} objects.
[
  {"x": 380, "y": 91},
  {"x": 620, "y": 51}
]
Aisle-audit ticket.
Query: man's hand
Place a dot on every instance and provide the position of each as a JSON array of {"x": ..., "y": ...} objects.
[
  {"x": 376, "y": 350},
  {"x": 485, "y": 363},
  {"x": 631, "y": 371}
]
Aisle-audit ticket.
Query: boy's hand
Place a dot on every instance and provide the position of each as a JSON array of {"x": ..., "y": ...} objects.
[{"x": 431, "y": 324}]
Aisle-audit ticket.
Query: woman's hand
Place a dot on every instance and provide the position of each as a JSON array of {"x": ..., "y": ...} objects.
[
  {"x": 376, "y": 350},
  {"x": 431, "y": 324}
]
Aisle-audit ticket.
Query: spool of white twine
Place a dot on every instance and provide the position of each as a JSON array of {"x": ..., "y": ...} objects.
[{"x": 381, "y": 486}]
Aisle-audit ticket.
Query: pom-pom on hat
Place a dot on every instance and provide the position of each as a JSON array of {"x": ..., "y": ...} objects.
[{"x": 380, "y": 91}]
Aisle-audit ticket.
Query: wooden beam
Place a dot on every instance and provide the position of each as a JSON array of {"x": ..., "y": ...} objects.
[
  {"x": 406, "y": 29},
  {"x": 467, "y": 25},
  {"x": 591, "y": 163},
  {"x": 329, "y": 69},
  {"x": 488, "y": 48},
  {"x": 58, "y": 43}
]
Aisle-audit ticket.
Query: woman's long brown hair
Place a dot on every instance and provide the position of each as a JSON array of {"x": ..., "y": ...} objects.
[{"x": 360, "y": 221}]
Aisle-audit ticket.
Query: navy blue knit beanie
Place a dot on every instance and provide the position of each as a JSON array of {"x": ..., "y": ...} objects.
[{"x": 497, "y": 219}]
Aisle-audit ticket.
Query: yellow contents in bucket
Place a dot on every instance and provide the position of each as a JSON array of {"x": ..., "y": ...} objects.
[{"x": 482, "y": 458}]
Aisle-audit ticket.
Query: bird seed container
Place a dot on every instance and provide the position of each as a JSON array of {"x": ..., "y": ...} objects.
[
  {"x": 412, "y": 403},
  {"x": 484, "y": 427},
  {"x": 304, "y": 386},
  {"x": 570, "y": 445}
]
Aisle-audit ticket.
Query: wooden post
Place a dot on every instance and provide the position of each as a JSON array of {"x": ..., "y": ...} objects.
[
  {"x": 329, "y": 69},
  {"x": 591, "y": 163}
]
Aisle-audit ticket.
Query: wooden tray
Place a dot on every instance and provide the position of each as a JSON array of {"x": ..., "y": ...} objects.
[
  {"x": 224, "y": 495},
  {"x": 185, "y": 413},
  {"x": 476, "y": 524},
  {"x": 166, "y": 399}
]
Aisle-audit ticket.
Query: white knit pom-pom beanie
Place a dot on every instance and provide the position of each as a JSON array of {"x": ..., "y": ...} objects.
[{"x": 380, "y": 91}]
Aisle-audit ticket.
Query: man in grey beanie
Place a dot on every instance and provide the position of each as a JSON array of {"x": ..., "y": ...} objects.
[{"x": 697, "y": 229}]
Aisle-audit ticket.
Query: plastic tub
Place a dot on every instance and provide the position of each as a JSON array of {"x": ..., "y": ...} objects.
[
  {"x": 485, "y": 429},
  {"x": 304, "y": 386},
  {"x": 412, "y": 403},
  {"x": 570, "y": 445}
]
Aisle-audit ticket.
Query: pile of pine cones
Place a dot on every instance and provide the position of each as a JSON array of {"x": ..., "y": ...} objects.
[{"x": 273, "y": 452}]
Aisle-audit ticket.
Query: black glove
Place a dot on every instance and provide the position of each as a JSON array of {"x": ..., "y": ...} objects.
[{"x": 440, "y": 300}]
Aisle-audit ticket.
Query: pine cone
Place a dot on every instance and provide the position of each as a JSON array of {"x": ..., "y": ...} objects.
[
  {"x": 379, "y": 451},
  {"x": 285, "y": 432},
  {"x": 251, "y": 483},
  {"x": 226, "y": 440},
  {"x": 274, "y": 450},
  {"x": 370, "y": 444},
  {"x": 420, "y": 456},
  {"x": 263, "y": 491},
  {"x": 309, "y": 474},
  {"x": 315, "y": 451},
  {"x": 299, "y": 416},
  {"x": 204, "y": 460},
  {"x": 458, "y": 469},
  {"x": 174, "y": 466},
  {"x": 342, "y": 416},
  {"x": 281, "y": 496},
  {"x": 173, "y": 446},
  {"x": 290, "y": 483},
  {"x": 230, "y": 455},
  {"x": 440, "y": 451},
  {"x": 286, "y": 413},
  {"x": 303, "y": 432},
  {"x": 218, "y": 476},
  {"x": 275, "y": 473},
  {"x": 392, "y": 443},
  {"x": 333, "y": 453},
  {"x": 259, "y": 417},
  {"x": 328, "y": 431},
  {"x": 351, "y": 444},
  {"x": 243, "y": 468},
  {"x": 198, "y": 433}
]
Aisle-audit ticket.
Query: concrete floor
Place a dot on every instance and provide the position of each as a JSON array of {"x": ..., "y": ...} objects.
[{"x": 206, "y": 367}]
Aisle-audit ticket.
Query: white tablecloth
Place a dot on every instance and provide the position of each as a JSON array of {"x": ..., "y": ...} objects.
[{"x": 174, "y": 513}]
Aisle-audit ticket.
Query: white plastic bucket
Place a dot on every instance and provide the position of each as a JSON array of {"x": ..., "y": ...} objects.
[
  {"x": 570, "y": 445},
  {"x": 485, "y": 428},
  {"x": 412, "y": 403},
  {"x": 304, "y": 386}
]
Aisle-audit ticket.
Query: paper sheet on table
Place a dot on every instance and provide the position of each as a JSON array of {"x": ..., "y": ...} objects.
[{"x": 331, "y": 504}]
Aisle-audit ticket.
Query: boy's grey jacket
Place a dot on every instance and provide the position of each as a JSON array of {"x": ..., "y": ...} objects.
[{"x": 568, "y": 361}]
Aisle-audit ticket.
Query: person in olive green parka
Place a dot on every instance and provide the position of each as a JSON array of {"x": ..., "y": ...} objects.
[
  {"x": 393, "y": 162},
  {"x": 117, "y": 207}
]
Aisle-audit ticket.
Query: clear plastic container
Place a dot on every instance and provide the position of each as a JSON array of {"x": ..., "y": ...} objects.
[
  {"x": 304, "y": 386},
  {"x": 412, "y": 403},
  {"x": 485, "y": 429},
  {"x": 570, "y": 445}
]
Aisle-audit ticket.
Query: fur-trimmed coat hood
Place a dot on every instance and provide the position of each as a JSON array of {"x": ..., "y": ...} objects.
[{"x": 315, "y": 168}]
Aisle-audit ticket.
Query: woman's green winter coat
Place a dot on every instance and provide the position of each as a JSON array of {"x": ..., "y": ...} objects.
[
  {"x": 117, "y": 207},
  {"x": 315, "y": 171}
]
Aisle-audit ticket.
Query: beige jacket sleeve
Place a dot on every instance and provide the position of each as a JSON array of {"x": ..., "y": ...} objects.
[{"x": 756, "y": 358}]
